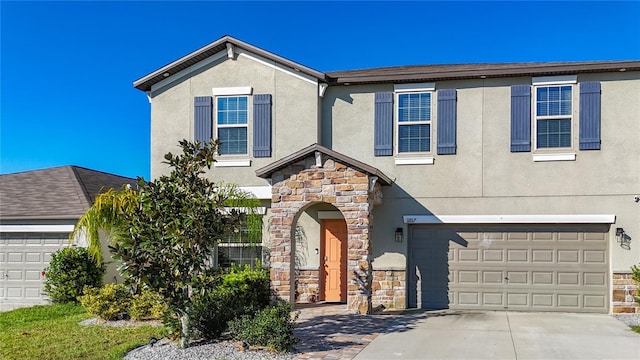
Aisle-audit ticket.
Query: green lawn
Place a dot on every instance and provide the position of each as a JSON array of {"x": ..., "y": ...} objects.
[{"x": 53, "y": 332}]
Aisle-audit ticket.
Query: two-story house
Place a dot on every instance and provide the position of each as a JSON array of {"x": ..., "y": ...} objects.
[{"x": 477, "y": 186}]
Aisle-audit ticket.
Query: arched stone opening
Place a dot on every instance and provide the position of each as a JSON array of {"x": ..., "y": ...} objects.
[{"x": 319, "y": 175}]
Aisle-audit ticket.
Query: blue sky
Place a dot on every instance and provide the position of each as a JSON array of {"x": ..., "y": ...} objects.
[{"x": 66, "y": 68}]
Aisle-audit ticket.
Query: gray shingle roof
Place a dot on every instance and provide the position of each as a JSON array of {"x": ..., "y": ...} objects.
[{"x": 64, "y": 192}]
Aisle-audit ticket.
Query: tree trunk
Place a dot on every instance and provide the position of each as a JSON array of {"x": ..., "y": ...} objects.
[{"x": 185, "y": 333}]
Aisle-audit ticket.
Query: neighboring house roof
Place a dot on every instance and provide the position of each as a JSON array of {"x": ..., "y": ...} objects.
[
  {"x": 267, "y": 171},
  {"x": 64, "y": 192},
  {"x": 396, "y": 74},
  {"x": 419, "y": 73},
  {"x": 215, "y": 47}
]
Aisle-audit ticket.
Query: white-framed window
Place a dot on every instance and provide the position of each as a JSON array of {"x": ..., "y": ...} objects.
[
  {"x": 553, "y": 107},
  {"x": 232, "y": 121},
  {"x": 243, "y": 247},
  {"x": 413, "y": 118}
]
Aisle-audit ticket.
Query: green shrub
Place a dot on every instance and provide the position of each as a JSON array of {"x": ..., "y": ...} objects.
[
  {"x": 635, "y": 275},
  {"x": 148, "y": 305},
  {"x": 110, "y": 302},
  {"x": 272, "y": 327},
  {"x": 242, "y": 291},
  {"x": 70, "y": 270}
]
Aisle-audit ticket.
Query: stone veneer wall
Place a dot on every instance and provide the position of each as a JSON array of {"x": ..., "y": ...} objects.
[
  {"x": 304, "y": 183},
  {"x": 307, "y": 286},
  {"x": 625, "y": 290},
  {"x": 389, "y": 288}
]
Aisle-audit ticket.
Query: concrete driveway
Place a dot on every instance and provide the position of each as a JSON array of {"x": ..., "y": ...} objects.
[{"x": 504, "y": 335}]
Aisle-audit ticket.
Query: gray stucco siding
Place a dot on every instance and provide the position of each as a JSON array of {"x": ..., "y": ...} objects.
[
  {"x": 295, "y": 107},
  {"x": 484, "y": 177}
]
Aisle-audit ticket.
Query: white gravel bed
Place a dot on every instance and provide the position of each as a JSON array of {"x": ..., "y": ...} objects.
[
  {"x": 629, "y": 319},
  {"x": 223, "y": 350}
]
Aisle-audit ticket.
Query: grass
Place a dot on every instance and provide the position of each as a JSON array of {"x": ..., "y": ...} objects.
[
  {"x": 636, "y": 329},
  {"x": 52, "y": 332}
]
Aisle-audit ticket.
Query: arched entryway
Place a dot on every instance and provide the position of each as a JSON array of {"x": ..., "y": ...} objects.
[{"x": 319, "y": 175}]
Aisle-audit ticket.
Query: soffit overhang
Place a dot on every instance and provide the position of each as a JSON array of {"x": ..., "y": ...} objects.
[
  {"x": 267, "y": 171},
  {"x": 427, "y": 73},
  {"x": 145, "y": 82}
]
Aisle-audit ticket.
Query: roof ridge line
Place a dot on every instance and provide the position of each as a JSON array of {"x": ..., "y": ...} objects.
[{"x": 80, "y": 184}]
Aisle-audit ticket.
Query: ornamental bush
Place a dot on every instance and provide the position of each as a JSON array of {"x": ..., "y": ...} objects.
[
  {"x": 148, "y": 305},
  {"x": 271, "y": 327},
  {"x": 240, "y": 292},
  {"x": 70, "y": 270},
  {"x": 110, "y": 302}
]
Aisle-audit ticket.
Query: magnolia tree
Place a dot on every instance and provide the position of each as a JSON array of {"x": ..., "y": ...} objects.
[{"x": 165, "y": 234}]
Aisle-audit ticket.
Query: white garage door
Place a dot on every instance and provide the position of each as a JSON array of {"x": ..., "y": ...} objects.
[
  {"x": 534, "y": 268},
  {"x": 23, "y": 258}
]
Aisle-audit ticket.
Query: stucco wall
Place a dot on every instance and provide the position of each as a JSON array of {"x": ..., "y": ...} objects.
[
  {"x": 294, "y": 111},
  {"x": 484, "y": 177}
]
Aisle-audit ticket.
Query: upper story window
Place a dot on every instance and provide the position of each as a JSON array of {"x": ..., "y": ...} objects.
[
  {"x": 414, "y": 122},
  {"x": 413, "y": 114},
  {"x": 232, "y": 124},
  {"x": 553, "y": 115}
]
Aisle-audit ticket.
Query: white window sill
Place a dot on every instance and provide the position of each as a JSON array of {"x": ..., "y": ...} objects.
[
  {"x": 428, "y": 160},
  {"x": 232, "y": 163},
  {"x": 555, "y": 157}
]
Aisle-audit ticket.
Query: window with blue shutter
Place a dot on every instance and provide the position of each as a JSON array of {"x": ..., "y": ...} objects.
[
  {"x": 383, "y": 124},
  {"x": 520, "y": 118},
  {"x": 203, "y": 124},
  {"x": 446, "y": 122},
  {"x": 232, "y": 122},
  {"x": 590, "y": 116},
  {"x": 262, "y": 125}
]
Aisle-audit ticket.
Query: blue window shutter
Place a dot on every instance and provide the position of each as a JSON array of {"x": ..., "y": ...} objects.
[
  {"x": 383, "y": 124},
  {"x": 203, "y": 123},
  {"x": 520, "y": 118},
  {"x": 262, "y": 125},
  {"x": 446, "y": 122},
  {"x": 590, "y": 116}
]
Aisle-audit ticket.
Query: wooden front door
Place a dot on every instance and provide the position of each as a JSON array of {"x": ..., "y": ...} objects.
[{"x": 334, "y": 259}]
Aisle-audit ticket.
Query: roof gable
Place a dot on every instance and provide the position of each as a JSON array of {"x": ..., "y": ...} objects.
[
  {"x": 64, "y": 192},
  {"x": 222, "y": 44},
  {"x": 267, "y": 171}
]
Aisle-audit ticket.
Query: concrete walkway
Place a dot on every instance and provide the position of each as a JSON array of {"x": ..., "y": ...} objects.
[{"x": 503, "y": 335}]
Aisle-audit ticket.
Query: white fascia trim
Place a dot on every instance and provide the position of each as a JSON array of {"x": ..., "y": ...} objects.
[
  {"x": 554, "y": 80},
  {"x": 509, "y": 219},
  {"x": 329, "y": 215},
  {"x": 36, "y": 228},
  {"x": 414, "y": 87},
  {"x": 238, "y": 90},
  {"x": 190, "y": 69},
  {"x": 555, "y": 157},
  {"x": 232, "y": 163},
  {"x": 260, "y": 192},
  {"x": 277, "y": 66},
  {"x": 429, "y": 160}
]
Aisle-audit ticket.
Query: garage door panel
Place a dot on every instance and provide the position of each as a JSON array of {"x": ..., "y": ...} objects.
[
  {"x": 23, "y": 258},
  {"x": 544, "y": 256},
  {"x": 518, "y": 255},
  {"x": 594, "y": 256},
  {"x": 542, "y": 278},
  {"x": 594, "y": 279},
  {"x": 521, "y": 269},
  {"x": 568, "y": 256},
  {"x": 492, "y": 255}
]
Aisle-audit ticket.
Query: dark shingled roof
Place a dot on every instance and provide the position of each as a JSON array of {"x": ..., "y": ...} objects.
[
  {"x": 64, "y": 192},
  {"x": 419, "y": 73},
  {"x": 395, "y": 74}
]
